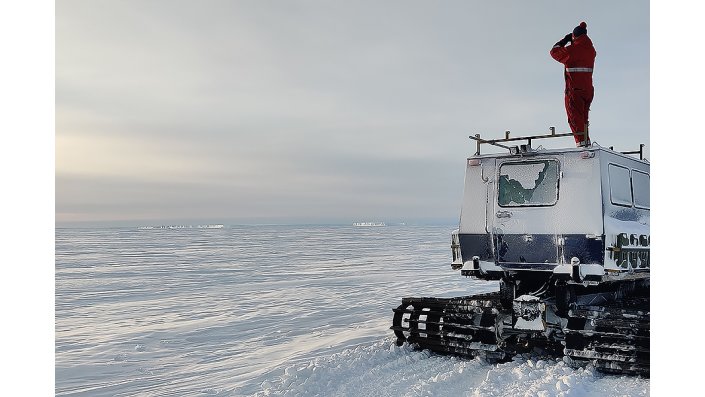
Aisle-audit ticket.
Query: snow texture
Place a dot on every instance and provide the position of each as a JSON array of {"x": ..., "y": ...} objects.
[
  {"x": 383, "y": 369},
  {"x": 273, "y": 311}
]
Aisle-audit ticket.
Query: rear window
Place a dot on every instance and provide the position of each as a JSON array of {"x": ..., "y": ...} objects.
[{"x": 528, "y": 184}]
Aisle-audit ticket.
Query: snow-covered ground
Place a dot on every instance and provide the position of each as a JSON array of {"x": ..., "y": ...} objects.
[
  {"x": 383, "y": 369},
  {"x": 272, "y": 310}
]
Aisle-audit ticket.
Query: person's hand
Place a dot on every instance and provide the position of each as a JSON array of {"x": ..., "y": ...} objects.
[{"x": 567, "y": 39}]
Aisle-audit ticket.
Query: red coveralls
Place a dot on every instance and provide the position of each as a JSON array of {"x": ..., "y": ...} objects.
[{"x": 579, "y": 59}]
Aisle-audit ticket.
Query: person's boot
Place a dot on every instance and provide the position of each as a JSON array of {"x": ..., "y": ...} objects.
[{"x": 583, "y": 143}]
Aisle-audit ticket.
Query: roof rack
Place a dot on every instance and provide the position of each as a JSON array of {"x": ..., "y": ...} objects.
[
  {"x": 522, "y": 149},
  {"x": 640, "y": 152}
]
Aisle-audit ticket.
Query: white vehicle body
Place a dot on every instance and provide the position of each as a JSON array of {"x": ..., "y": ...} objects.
[{"x": 578, "y": 212}]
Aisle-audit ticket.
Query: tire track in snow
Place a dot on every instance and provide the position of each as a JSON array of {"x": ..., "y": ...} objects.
[{"x": 383, "y": 369}]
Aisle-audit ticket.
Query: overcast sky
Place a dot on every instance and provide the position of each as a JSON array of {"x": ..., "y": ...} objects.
[{"x": 317, "y": 111}]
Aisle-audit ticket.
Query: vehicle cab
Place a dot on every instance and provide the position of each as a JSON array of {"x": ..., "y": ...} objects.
[{"x": 578, "y": 213}]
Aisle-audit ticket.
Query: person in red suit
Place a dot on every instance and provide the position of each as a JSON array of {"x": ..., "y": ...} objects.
[{"x": 579, "y": 60}]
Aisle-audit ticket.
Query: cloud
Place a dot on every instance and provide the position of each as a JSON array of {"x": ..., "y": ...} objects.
[{"x": 315, "y": 109}]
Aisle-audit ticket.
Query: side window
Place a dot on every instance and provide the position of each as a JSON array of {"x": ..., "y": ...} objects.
[
  {"x": 528, "y": 184},
  {"x": 620, "y": 185},
  {"x": 640, "y": 185}
]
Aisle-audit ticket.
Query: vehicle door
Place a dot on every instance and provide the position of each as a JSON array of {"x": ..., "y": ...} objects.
[{"x": 527, "y": 190}]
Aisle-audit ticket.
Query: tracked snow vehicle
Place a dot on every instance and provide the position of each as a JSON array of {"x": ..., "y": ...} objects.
[{"x": 566, "y": 233}]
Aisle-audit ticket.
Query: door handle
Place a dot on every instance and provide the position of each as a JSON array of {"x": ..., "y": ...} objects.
[{"x": 504, "y": 214}]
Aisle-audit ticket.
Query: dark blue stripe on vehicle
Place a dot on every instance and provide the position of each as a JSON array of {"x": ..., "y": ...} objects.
[
  {"x": 476, "y": 245},
  {"x": 539, "y": 251},
  {"x": 540, "y": 248},
  {"x": 588, "y": 250}
]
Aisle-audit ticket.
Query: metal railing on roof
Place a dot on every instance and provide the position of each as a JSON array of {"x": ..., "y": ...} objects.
[{"x": 527, "y": 147}]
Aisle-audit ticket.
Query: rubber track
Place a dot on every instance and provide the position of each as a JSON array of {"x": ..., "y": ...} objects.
[
  {"x": 464, "y": 326},
  {"x": 615, "y": 338}
]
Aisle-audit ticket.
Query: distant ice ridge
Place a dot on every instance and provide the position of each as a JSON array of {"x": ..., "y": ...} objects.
[
  {"x": 215, "y": 226},
  {"x": 369, "y": 224}
]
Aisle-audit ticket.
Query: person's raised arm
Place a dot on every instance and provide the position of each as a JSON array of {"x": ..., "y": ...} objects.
[{"x": 559, "y": 52}]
